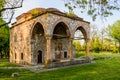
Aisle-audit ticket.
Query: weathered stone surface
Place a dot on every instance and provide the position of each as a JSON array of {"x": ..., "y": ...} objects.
[
  {"x": 29, "y": 36},
  {"x": 15, "y": 74}
]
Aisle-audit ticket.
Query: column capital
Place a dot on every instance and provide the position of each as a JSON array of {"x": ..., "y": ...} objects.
[
  {"x": 48, "y": 37},
  {"x": 70, "y": 39}
]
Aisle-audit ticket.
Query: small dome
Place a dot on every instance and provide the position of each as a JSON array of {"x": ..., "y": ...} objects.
[
  {"x": 52, "y": 10},
  {"x": 36, "y": 10}
]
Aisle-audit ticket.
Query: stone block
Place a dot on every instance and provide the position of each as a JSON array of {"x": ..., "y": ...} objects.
[{"x": 15, "y": 74}]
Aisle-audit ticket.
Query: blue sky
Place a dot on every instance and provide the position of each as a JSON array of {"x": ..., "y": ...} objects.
[{"x": 59, "y": 4}]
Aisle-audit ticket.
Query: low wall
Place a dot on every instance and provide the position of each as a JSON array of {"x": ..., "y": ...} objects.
[{"x": 63, "y": 63}]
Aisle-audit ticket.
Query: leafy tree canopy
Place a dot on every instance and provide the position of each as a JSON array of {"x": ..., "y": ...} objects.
[
  {"x": 94, "y": 8},
  {"x": 4, "y": 40},
  {"x": 114, "y": 31},
  {"x": 4, "y": 34},
  {"x": 2, "y": 2},
  {"x": 77, "y": 45}
]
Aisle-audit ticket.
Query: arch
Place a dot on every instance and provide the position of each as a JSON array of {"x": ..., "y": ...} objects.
[
  {"x": 34, "y": 24},
  {"x": 38, "y": 42},
  {"x": 38, "y": 29},
  {"x": 61, "y": 21},
  {"x": 82, "y": 29},
  {"x": 62, "y": 27},
  {"x": 61, "y": 35}
]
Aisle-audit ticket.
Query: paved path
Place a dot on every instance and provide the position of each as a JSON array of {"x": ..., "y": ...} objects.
[{"x": 40, "y": 68}]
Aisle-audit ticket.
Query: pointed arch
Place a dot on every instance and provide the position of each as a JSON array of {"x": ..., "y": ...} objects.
[
  {"x": 64, "y": 23},
  {"x": 82, "y": 29},
  {"x": 37, "y": 29},
  {"x": 33, "y": 26}
]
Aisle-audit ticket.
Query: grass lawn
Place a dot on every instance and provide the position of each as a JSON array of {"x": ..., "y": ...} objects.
[
  {"x": 6, "y": 63},
  {"x": 107, "y": 67}
]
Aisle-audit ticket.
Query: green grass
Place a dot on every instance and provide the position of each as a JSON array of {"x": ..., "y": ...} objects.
[
  {"x": 6, "y": 63},
  {"x": 107, "y": 68}
]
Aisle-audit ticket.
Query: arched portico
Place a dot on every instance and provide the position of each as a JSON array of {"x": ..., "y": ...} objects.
[
  {"x": 60, "y": 41},
  {"x": 38, "y": 42},
  {"x": 65, "y": 23},
  {"x": 85, "y": 38}
]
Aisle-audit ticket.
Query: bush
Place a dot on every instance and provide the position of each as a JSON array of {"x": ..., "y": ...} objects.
[{"x": 114, "y": 50}]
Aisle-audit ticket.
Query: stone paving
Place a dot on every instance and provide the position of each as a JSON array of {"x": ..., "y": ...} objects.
[{"x": 40, "y": 68}]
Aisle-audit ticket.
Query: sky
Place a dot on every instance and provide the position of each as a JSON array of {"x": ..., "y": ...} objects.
[{"x": 59, "y": 4}]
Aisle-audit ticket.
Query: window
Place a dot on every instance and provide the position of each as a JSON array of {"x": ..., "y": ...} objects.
[
  {"x": 65, "y": 54},
  {"x": 15, "y": 56},
  {"x": 21, "y": 56},
  {"x": 15, "y": 38}
]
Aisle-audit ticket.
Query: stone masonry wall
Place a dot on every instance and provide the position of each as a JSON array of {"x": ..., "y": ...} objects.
[{"x": 21, "y": 42}]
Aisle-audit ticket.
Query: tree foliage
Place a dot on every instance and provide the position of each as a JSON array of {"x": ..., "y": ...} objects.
[
  {"x": 77, "y": 45},
  {"x": 4, "y": 40},
  {"x": 114, "y": 32},
  {"x": 94, "y": 8},
  {"x": 107, "y": 44},
  {"x": 95, "y": 44}
]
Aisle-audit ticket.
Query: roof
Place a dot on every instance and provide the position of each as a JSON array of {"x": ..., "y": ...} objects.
[{"x": 40, "y": 11}]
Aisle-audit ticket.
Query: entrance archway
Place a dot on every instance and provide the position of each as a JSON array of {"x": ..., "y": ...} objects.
[
  {"x": 60, "y": 40},
  {"x": 39, "y": 56},
  {"x": 79, "y": 42},
  {"x": 38, "y": 44}
]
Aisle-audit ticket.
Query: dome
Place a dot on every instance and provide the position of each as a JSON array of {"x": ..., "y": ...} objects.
[
  {"x": 39, "y": 10},
  {"x": 52, "y": 10}
]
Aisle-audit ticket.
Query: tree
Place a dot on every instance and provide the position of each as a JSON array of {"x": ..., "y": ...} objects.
[
  {"x": 4, "y": 40},
  {"x": 103, "y": 36},
  {"x": 77, "y": 45},
  {"x": 108, "y": 44},
  {"x": 114, "y": 32},
  {"x": 94, "y": 8},
  {"x": 97, "y": 44},
  {"x": 93, "y": 33},
  {"x": 7, "y": 8}
]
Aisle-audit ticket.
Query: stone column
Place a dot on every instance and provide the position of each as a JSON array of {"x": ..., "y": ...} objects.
[
  {"x": 70, "y": 48},
  {"x": 87, "y": 50},
  {"x": 48, "y": 50}
]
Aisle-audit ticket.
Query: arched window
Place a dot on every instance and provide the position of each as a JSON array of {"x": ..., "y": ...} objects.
[{"x": 22, "y": 56}]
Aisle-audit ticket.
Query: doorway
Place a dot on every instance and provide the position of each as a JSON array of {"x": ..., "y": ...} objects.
[
  {"x": 39, "y": 56},
  {"x": 65, "y": 54}
]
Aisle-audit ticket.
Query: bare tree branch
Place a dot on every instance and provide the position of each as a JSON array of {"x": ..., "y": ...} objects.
[
  {"x": 8, "y": 21},
  {"x": 10, "y": 8}
]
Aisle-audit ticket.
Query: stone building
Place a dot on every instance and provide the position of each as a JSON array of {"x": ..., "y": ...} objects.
[{"x": 45, "y": 35}]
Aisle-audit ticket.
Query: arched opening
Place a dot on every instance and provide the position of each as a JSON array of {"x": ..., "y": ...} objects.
[
  {"x": 38, "y": 44},
  {"x": 38, "y": 31},
  {"x": 79, "y": 42},
  {"x": 39, "y": 56},
  {"x": 60, "y": 41},
  {"x": 22, "y": 56}
]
